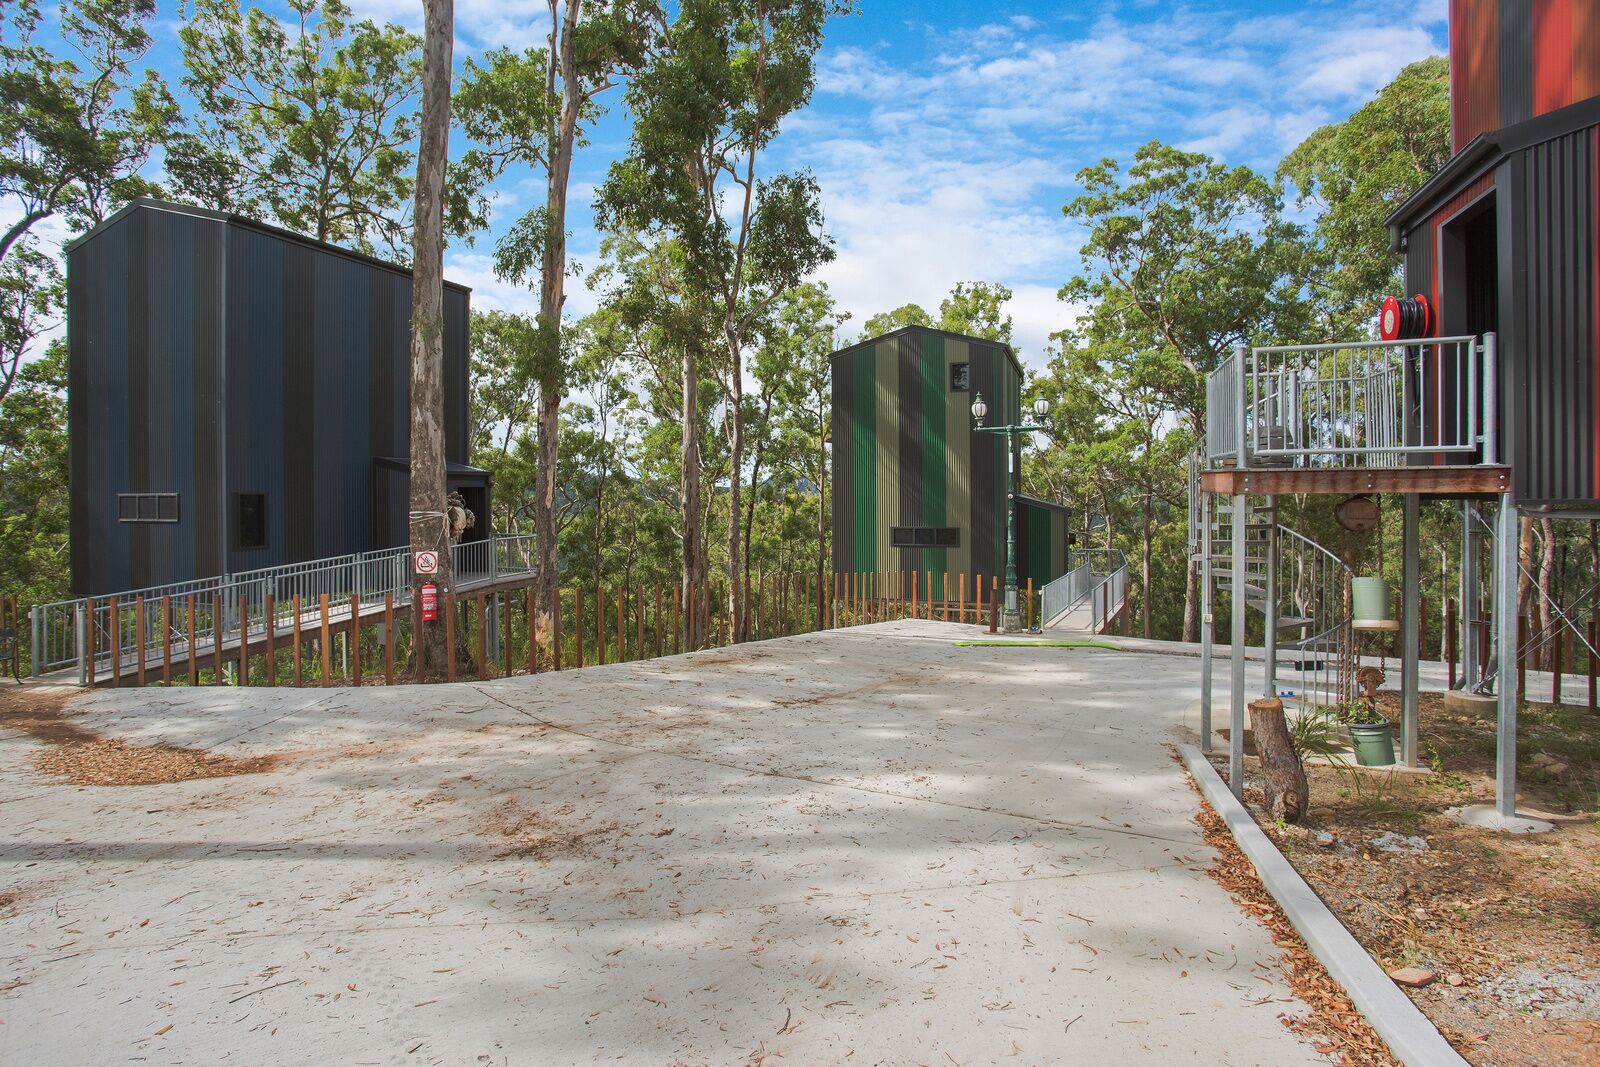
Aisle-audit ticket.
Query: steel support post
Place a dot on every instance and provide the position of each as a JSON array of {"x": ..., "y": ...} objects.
[
  {"x": 1410, "y": 597},
  {"x": 80, "y": 627},
  {"x": 1207, "y": 629},
  {"x": 1269, "y": 607},
  {"x": 1505, "y": 623},
  {"x": 36, "y": 650},
  {"x": 1471, "y": 669},
  {"x": 1236, "y": 641}
]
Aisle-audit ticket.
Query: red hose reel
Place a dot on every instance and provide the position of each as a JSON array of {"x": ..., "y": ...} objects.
[{"x": 1405, "y": 317}]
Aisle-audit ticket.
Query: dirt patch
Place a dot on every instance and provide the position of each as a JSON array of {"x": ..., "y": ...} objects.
[
  {"x": 530, "y": 835},
  {"x": 711, "y": 661},
  {"x": 76, "y": 754},
  {"x": 1334, "y": 1024},
  {"x": 1509, "y": 924}
]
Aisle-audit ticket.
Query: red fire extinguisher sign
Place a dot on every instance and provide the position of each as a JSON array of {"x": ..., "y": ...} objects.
[{"x": 430, "y": 602}]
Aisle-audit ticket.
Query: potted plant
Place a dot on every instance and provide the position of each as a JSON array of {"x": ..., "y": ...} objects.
[{"x": 1371, "y": 734}]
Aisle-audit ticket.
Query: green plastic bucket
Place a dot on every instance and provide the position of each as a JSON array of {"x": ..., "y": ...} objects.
[
  {"x": 1372, "y": 605},
  {"x": 1374, "y": 744}
]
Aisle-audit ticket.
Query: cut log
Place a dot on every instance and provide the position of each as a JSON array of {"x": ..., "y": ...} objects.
[{"x": 1286, "y": 792}]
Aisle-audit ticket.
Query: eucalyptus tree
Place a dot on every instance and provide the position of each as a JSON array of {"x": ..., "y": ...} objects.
[
  {"x": 504, "y": 347},
  {"x": 77, "y": 123},
  {"x": 310, "y": 122},
  {"x": 528, "y": 109},
  {"x": 1185, "y": 258},
  {"x": 429, "y": 527},
  {"x": 805, "y": 331},
  {"x": 706, "y": 106},
  {"x": 976, "y": 309}
]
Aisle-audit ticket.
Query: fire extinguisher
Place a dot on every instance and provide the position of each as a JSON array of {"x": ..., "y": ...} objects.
[{"x": 430, "y": 602}]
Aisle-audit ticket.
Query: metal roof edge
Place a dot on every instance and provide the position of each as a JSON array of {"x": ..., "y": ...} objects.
[
  {"x": 150, "y": 203},
  {"x": 989, "y": 341}
]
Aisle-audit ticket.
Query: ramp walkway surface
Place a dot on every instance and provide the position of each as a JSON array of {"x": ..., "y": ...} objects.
[{"x": 856, "y": 846}]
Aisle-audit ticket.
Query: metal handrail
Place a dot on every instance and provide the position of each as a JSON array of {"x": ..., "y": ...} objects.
[
  {"x": 1094, "y": 569},
  {"x": 1353, "y": 404},
  {"x": 240, "y": 602}
]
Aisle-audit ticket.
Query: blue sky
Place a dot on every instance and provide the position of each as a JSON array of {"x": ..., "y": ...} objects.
[{"x": 945, "y": 136}]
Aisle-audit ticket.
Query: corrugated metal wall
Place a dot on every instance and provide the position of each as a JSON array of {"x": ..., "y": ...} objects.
[
  {"x": 314, "y": 386},
  {"x": 143, "y": 332},
  {"x": 1551, "y": 334},
  {"x": 1041, "y": 541},
  {"x": 904, "y": 453},
  {"x": 1513, "y": 59}
]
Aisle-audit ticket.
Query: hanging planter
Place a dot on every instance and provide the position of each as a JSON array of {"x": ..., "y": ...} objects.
[{"x": 1372, "y": 605}]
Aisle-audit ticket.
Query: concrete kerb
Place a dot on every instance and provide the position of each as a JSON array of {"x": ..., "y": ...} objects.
[{"x": 1411, "y": 1037}]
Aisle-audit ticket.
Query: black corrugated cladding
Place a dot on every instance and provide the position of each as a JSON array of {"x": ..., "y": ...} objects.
[
  {"x": 1549, "y": 339},
  {"x": 211, "y": 356},
  {"x": 1515, "y": 62}
]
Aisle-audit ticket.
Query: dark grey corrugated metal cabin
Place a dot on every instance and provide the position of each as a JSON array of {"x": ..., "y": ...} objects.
[{"x": 238, "y": 398}]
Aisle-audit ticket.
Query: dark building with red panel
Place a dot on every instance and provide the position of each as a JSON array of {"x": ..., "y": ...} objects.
[{"x": 1504, "y": 239}]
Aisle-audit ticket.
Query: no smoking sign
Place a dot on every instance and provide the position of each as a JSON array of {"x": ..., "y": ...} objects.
[{"x": 427, "y": 562}]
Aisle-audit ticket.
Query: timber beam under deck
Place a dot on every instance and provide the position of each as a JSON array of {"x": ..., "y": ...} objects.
[{"x": 1430, "y": 481}]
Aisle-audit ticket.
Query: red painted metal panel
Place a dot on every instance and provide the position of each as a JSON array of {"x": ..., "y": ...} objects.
[
  {"x": 1474, "y": 69},
  {"x": 1552, "y": 55},
  {"x": 1585, "y": 50}
]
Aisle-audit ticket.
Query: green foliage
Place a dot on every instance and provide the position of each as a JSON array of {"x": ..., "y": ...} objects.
[
  {"x": 1358, "y": 171},
  {"x": 1315, "y": 732},
  {"x": 76, "y": 127},
  {"x": 310, "y": 123},
  {"x": 972, "y": 308},
  {"x": 32, "y": 293},
  {"x": 34, "y": 563}
]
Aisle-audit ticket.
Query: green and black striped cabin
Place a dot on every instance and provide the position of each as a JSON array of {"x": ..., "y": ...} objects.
[{"x": 915, "y": 487}]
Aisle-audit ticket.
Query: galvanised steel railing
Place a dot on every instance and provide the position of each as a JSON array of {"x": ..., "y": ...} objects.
[
  {"x": 1093, "y": 575},
  {"x": 142, "y": 624},
  {"x": 1353, "y": 404}
]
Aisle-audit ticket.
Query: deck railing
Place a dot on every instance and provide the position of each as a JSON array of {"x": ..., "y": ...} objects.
[
  {"x": 127, "y": 627},
  {"x": 1096, "y": 577},
  {"x": 1354, "y": 404}
]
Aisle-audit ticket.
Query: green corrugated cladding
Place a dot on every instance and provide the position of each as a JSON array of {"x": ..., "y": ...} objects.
[
  {"x": 1041, "y": 541},
  {"x": 905, "y": 454}
]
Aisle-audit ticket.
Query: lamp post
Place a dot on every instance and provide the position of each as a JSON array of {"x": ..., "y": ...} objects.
[{"x": 1011, "y": 621}]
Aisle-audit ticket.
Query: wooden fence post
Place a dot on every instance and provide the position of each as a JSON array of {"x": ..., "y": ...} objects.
[
  {"x": 449, "y": 641},
  {"x": 244, "y": 639},
  {"x": 1594, "y": 643},
  {"x": 622, "y": 625},
  {"x": 327, "y": 642},
  {"x": 298, "y": 680},
  {"x": 994, "y": 603},
  {"x": 555, "y": 627},
  {"x": 1030, "y": 602},
  {"x": 271, "y": 640},
  {"x": 355, "y": 639},
  {"x": 506, "y": 632},
  {"x": 677, "y": 617},
  {"x": 115, "y": 618},
  {"x": 219, "y": 676},
  {"x": 88, "y": 637},
  {"x": 138, "y": 626},
  {"x": 1449, "y": 639},
  {"x": 388, "y": 638},
  {"x": 1522, "y": 657},
  {"x": 1558, "y": 665},
  {"x": 166, "y": 640},
  {"x": 577, "y": 621},
  {"x": 483, "y": 635}
]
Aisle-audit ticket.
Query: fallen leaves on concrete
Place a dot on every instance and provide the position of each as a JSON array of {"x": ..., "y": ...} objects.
[
  {"x": 116, "y": 762},
  {"x": 1333, "y": 1023}
]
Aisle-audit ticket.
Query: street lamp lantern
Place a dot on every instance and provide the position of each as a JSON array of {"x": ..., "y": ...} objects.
[{"x": 979, "y": 411}]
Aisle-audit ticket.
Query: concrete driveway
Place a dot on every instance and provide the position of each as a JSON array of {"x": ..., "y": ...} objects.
[{"x": 864, "y": 846}]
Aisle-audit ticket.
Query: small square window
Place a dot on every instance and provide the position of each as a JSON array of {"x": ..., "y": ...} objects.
[
  {"x": 127, "y": 507},
  {"x": 960, "y": 377},
  {"x": 167, "y": 507},
  {"x": 948, "y": 537},
  {"x": 901, "y": 536},
  {"x": 925, "y": 535},
  {"x": 250, "y": 511}
]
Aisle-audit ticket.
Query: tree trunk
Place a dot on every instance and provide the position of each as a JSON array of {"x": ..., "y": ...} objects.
[
  {"x": 428, "y": 525},
  {"x": 689, "y": 484},
  {"x": 1285, "y": 791},
  {"x": 552, "y": 300},
  {"x": 822, "y": 530},
  {"x": 1547, "y": 564},
  {"x": 1144, "y": 569},
  {"x": 735, "y": 615}
]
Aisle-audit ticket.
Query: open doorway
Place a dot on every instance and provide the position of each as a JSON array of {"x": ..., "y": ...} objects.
[{"x": 1469, "y": 290}]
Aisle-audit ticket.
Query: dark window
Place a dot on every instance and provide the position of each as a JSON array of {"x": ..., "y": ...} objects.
[
  {"x": 147, "y": 507},
  {"x": 960, "y": 377},
  {"x": 925, "y": 536},
  {"x": 251, "y": 512}
]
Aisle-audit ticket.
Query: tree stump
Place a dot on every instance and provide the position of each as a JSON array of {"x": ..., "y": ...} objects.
[{"x": 1286, "y": 792}]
